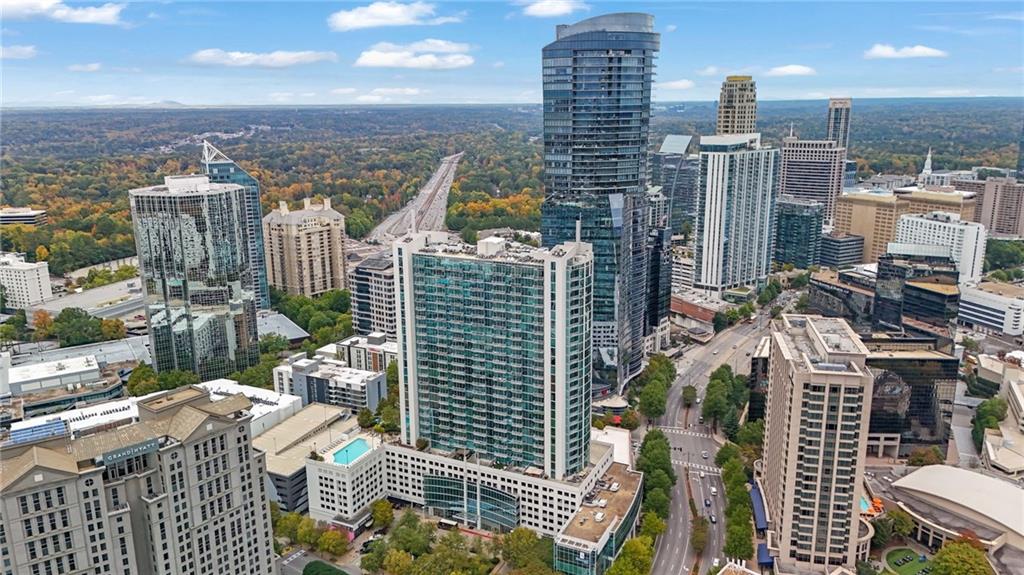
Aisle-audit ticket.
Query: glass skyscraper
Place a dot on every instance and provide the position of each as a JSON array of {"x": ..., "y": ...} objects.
[
  {"x": 193, "y": 257},
  {"x": 221, "y": 169},
  {"x": 597, "y": 101},
  {"x": 494, "y": 350},
  {"x": 798, "y": 231}
]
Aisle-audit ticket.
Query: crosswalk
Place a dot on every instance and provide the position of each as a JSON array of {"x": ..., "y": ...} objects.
[
  {"x": 682, "y": 431},
  {"x": 709, "y": 469}
]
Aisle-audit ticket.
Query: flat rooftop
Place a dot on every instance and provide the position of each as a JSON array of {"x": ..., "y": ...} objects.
[
  {"x": 264, "y": 401},
  {"x": 1003, "y": 289},
  {"x": 610, "y": 502},
  {"x": 831, "y": 277},
  {"x": 314, "y": 427},
  {"x": 82, "y": 365},
  {"x": 944, "y": 289},
  {"x": 818, "y": 343}
]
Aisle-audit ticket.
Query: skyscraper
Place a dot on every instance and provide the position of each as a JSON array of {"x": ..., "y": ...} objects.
[
  {"x": 305, "y": 248},
  {"x": 735, "y": 212},
  {"x": 676, "y": 172},
  {"x": 597, "y": 100},
  {"x": 816, "y": 431},
  {"x": 222, "y": 170},
  {"x": 494, "y": 349},
  {"x": 871, "y": 215},
  {"x": 965, "y": 241},
  {"x": 191, "y": 240},
  {"x": 737, "y": 106},
  {"x": 839, "y": 121},
  {"x": 372, "y": 283},
  {"x": 797, "y": 232},
  {"x": 813, "y": 170}
]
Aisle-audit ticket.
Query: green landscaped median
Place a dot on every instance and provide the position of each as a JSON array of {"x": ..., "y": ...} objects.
[{"x": 912, "y": 567}]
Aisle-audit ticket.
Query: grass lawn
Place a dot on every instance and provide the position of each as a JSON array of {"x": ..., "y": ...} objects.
[{"x": 910, "y": 568}]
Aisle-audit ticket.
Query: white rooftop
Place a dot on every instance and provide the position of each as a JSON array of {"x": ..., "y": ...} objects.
[
  {"x": 51, "y": 369},
  {"x": 675, "y": 144},
  {"x": 731, "y": 139},
  {"x": 264, "y": 401}
]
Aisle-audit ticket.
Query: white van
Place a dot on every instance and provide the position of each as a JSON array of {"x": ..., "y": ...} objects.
[{"x": 714, "y": 490}]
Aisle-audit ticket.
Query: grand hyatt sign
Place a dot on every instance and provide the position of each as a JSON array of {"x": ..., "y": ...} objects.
[{"x": 110, "y": 457}]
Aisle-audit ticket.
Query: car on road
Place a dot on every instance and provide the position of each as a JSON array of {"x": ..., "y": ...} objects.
[
  {"x": 704, "y": 454},
  {"x": 713, "y": 518},
  {"x": 700, "y": 419},
  {"x": 707, "y": 503},
  {"x": 698, "y": 401},
  {"x": 716, "y": 562},
  {"x": 714, "y": 352},
  {"x": 714, "y": 490},
  {"x": 702, "y": 475}
]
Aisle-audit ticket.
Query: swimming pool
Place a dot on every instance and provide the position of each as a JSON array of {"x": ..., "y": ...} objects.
[
  {"x": 352, "y": 451},
  {"x": 865, "y": 506}
]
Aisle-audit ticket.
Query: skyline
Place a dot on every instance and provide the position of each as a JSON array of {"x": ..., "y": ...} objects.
[{"x": 419, "y": 52}]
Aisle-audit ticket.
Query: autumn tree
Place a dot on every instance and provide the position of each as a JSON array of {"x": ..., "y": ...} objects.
[
  {"x": 960, "y": 558},
  {"x": 383, "y": 513},
  {"x": 42, "y": 322},
  {"x": 112, "y": 329},
  {"x": 332, "y": 542}
]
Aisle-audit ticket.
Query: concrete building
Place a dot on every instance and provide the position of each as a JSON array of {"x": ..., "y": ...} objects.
[
  {"x": 24, "y": 283},
  {"x": 940, "y": 199},
  {"x": 54, "y": 386},
  {"x": 812, "y": 170},
  {"x": 199, "y": 283},
  {"x": 305, "y": 249},
  {"x": 816, "y": 430},
  {"x": 735, "y": 212},
  {"x": 682, "y": 269},
  {"x": 838, "y": 131},
  {"x": 269, "y": 407},
  {"x": 841, "y": 250},
  {"x": 832, "y": 294},
  {"x": 323, "y": 380},
  {"x": 965, "y": 240},
  {"x": 915, "y": 282},
  {"x": 1000, "y": 205},
  {"x": 372, "y": 284},
  {"x": 993, "y": 307},
  {"x": 872, "y": 215},
  {"x": 798, "y": 231},
  {"x": 22, "y": 216},
  {"x": 179, "y": 491},
  {"x": 369, "y": 353},
  {"x": 737, "y": 106},
  {"x": 886, "y": 182}
]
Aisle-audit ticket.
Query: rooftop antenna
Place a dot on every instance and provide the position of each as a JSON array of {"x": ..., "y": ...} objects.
[
  {"x": 579, "y": 229},
  {"x": 791, "y": 129},
  {"x": 212, "y": 155}
]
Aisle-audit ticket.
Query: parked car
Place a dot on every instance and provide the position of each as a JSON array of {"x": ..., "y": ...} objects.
[{"x": 707, "y": 503}]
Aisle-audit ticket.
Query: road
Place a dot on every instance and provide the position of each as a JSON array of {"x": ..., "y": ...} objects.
[
  {"x": 294, "y": 563},
  {"x": 429, "y": 207},
  {"x": 689, "y": 439}
]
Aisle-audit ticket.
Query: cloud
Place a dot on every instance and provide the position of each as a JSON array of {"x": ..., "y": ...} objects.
[
  {"x": 887, "y": 51},
  {"x": 1016, "y": 16},
  {"x": 109, "y": 14},
  {"x": 498, "y": 64},
  {"x": 676, "y": 85},
  {"x": 370, "y": 98},
  {"x": 791, "y": 70},
  {"x": 429, "y": 54},
  {"x": 709, "y": 71},
  {"x": 381, "y": 14},
  {"x": 550, "y": 8},
  {"x": 951, "y": 92},
  {"x": 1010, "y": 70},
  {"x": 671, "y": 28},
  {"x": 91, "y": 67},
  {"x": 17, "y": 52},
  {"x": 396, "y": 91},
  {"x": 343, "y": 91},
  {"x": 275, "y": 59}
]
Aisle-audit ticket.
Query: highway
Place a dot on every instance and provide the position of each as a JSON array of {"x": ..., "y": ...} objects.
[
  {"x": 429, "y": 207},
  {"x": 689, "y": 439}
]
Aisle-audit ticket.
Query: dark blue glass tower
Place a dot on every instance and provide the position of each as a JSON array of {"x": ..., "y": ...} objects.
[{"x": 597, "y": 110}]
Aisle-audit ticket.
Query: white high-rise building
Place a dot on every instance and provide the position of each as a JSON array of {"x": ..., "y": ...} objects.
[
  {"x": 813, "y": 170},
  {"x": 25, "y": 283},
  {"x": 816, "y": 432},
  {"x": 734, "y": 231},
  {"x": 966, "y": 240}
]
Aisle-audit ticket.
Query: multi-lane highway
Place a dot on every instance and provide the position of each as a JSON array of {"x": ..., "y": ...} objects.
[{"x": 428, "y": 208}]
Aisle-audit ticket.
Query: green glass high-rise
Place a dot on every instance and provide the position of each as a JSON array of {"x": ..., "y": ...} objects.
[{"x": 494, "y": 350}]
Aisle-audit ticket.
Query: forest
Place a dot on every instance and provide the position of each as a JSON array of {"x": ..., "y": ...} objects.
[{"x": 79, "y": 164}]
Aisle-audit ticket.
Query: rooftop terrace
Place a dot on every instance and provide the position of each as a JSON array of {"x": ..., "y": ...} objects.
[{"x": 606, "y": 506}]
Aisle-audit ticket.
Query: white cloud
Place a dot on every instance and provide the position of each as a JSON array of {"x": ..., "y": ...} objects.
[
  {"x": 370, "y": 98},
  {"x": 396, "y": 91},
  {"x": 90, "y": 67},
  {"x": 343, "y": 91},
  {"x": 671, "y": 28},
  {"x": 109, "y": 14},
  {"x": 17, "y": 52},
  {"x": 102, "y": 99},
  {"x": 1010, "y": 70},
  {"x": 1017, "y": 16},
  {"x": 550, "y": 8},
  {"x": 889, "y": 51},
  {"x": 676, "y": 85},
  {"x": 275, "y": 59},
  {"x": 709, "y": 71},
  {"x": 951, "y": 92},
  {"x": 429, "y": 54},
  {"x": 381, "y": 14},
  {"x": 498, "y": 64},
  {"x": 281, "y": 96},
  {"x": 791, "y": 70}
]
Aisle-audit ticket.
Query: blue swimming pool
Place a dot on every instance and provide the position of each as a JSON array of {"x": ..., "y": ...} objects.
[
  {"x": 865, "y": 506},
  {"x": 352, "y": 451}
]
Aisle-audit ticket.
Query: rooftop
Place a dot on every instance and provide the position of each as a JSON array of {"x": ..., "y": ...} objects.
[
  {"x": 605, "y": 506},
  {"x": 131, "y": 349},
  {"x": 8, "y": 210},
  {"x": 264, "y": 401},
  {"x": 675, "y": 144},
  {"x": 831, "y": 277},
  {"x": 289, "y": 443},
  {"x": 191, "y": 184},
  {"x": 818, "y": 343},
  {"x": 115, "y": 296},
  {"x": 731, "y": 140},
  {"x": 268, "y": 322},
  {"x": 1002, "y": 289},
  {"x": 491, "y": 249},
  {"x": 870, "y": 197},
  {"x": 940, "y": 288},
  {"x": 81, "y": 365},
  {"x": 617, "y": 22}
]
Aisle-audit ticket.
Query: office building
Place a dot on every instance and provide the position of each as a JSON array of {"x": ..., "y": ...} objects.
[
  {"x": 798, "y": 231},
  {"x": 836, "y": 294},
  {"x": 370, "y": 352},
  {"x": 676, "y": 172},
  {"x": 22, "y": 216},
  {"x": 181, "y": 490},
  {"x": 940, "y": 199},
  {"x": 993, "y": 307},
  {"x": 305, "y": 248},
  {"x": 596, "y": 171},
  {"x": 372, "y": 285},
  {"x": 191, "y": 239},
  {"x": 737, "y": 106},
  {"x": 872, "y": 215},
  {"x": 816, "y": 430},
  {"x": 813, "y": 170},
  {"x": 24, "y": 283},
  {"x": 913, "y": 283},
  {"x": 53, "y": 386},
  {"x": 682, "y": 268},
  {"x": 965, "y": 240},
  {"x": 735, "y": 212},
  {"x": 1000, "y": 205},
  {"x": 841, "y": 250},
  {"x": 324, "y": 380},
  {"x": 838, "y": 131},
  {"x": 466, "y": 317},
  {"x": 222, "y": 170},
  {"x": 659, "y": 289}
]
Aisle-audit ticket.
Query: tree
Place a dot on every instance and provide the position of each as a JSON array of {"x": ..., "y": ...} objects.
[
  {"x": 636, "y": 558},
  {"x": 273, "y": 343},
  {"x": 112, "y": 329},
  {"x": 720, "y": 321},
  {"x": 657, "y": 501},
  {"x": 287, "y": 526},
  {"x": 307, "y": 533},
  {"x": 699, "y": 533},
  {"x": 42, "y": 322},
  {"x": 74, "y": 326},
  {"x": 397, "y": 562},
  {"x": 987, "y": 415},
  {"x": 365, "y": 418},
  {"x": 469, "y": 235},
  {"x": 971, "y": 345},
  {"x": 726, "y": 453},
  {"x": 383, "y": 513},
  {"x": 653, "y": 400},
  {"x": 321, "y": 568},
  {"x": 521, "y": 547},
  {"x": 960, "y": 558},
  {"x": 902, "y": 523},
  {"x": 716, "y": 403},
  {"x": 42, "y": 254},
  {"x": 923, "y": 456},
  {"x": 776, "y": 311},
  {"x": 865, "y": 568},
  {"x": 689, "y": 395},
  {"x": 333, "y": 543},
  {"x": 651, "y": 525},
  {"x": 883, "y": 532},
  {"x": 630, "y": 420},
  {"x": 412, "y": 536},
  {"x": 176, "y": 378},
  {"x": 751, "y": 433},
  {"x": 7, "y": 335},
  {"x": 142, "y": 381},
  {"x": 738, "y": 540},
  {"x": 731, "y": 424},
  {"x": 373, "y": 561}
]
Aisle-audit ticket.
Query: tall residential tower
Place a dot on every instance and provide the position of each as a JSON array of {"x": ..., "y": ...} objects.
[
  {"x": 737, "y": 106},
  {"x": 839, "y": 121},
  {"x": 813, "y": 170},
  {"x": 305, "y": 248}
]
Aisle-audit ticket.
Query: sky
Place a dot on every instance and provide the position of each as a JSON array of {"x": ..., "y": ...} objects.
[{"x": 55, "y": 52}]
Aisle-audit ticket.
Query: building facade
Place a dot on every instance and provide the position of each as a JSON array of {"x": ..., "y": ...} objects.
[
  {"x": 676, "y": 172},
  {"x": 798, "y": 231},
  {"x": 735, "y": 212},
  {"x": 597, "y": 106},
  {"x": 324, "y": 380},
  {"x": 838, "y": 128},
  {"x": 816, "y": 430},
  {"x": 223, "y": 170},
  {"x": 965, "y": 240},
  {"x": 193, "y": 254},
  {"x": 940, "y": 199},
  {"x": 180, "y": 491},
  {"x": 993, "y": 307},
  {"x": 737, "y": 106},
  {"x": 24, "y": 284},
  {"x": 916, "y": 286},
  {"x": 22, "y": 216},
  {"x": 305, "y": 249},
  {"x": 1000, "y": 205},
  {"x": 841, "y": 250},
  {"x": 372, "y": 285},
  {"x": 813, "y": 170},
  {"x": 872, "y": 215}
]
